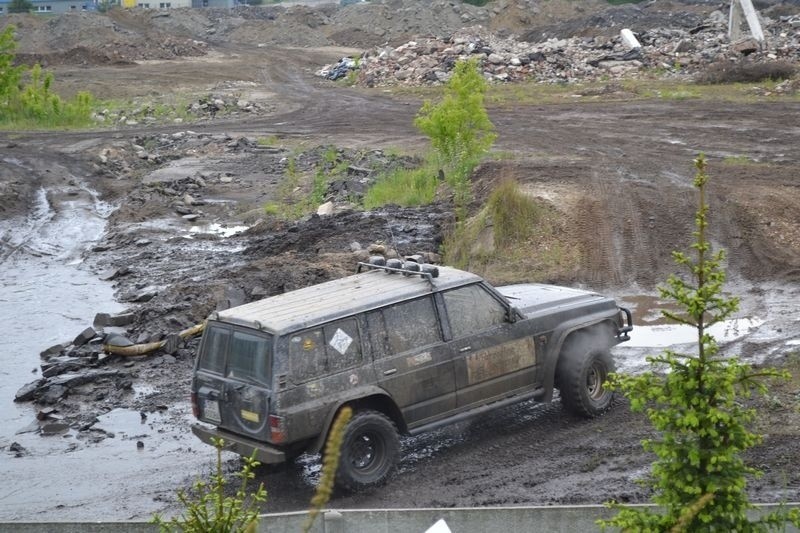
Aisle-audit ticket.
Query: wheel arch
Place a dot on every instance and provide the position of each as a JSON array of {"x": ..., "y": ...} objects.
[
  {"x": 376, "y": 401},
  {"x": 571, "y": 335}
]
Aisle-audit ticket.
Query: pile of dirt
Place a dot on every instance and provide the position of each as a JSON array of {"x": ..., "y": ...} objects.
[{"x": 89, "y": 38}]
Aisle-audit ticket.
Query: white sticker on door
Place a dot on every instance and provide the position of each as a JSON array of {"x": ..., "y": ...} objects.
[{"x": 341, "y": 341}]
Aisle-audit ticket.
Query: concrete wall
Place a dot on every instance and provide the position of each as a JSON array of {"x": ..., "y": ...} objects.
[{"x": 574, "y": 519}]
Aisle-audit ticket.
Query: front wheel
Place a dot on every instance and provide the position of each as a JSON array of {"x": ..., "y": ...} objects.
[
  {"x": 581, "y": 375},
  {"x": 370, "y": 451}
]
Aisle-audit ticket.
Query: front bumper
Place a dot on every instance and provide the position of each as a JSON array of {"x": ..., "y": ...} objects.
[{"x": 245, "y": 447}]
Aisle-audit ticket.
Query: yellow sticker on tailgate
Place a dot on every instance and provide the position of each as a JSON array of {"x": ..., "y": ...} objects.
[{"x": 250, "y": 416}]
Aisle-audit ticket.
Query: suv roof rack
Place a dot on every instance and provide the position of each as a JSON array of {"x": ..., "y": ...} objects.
[{"x": 410, "y": 267}]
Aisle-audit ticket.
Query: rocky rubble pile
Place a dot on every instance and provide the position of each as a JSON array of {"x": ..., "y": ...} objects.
[
  {"x": 663, "y": 52},
  {"x": 208, "y": 106}
]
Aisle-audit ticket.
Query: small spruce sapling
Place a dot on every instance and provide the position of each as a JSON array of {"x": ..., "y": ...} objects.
[{"x": 695, "y": 404}]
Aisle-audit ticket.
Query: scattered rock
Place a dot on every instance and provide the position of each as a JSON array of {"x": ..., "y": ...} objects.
[
  {"x": 84, "y": 337},
  {"x": 28, "y": 392},
  {"x": 53, "y": 350},
  {"x": 17, "y": 449},
  {"x": 54, "y": 428},
  {"x": 325, "y": 209}
]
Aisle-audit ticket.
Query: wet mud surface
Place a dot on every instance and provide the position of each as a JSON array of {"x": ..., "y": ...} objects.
[{"x": 183, "y": 231}]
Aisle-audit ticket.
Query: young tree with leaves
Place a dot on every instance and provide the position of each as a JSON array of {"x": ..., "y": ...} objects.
[
  {"x": 459, "y": 127},
  {"x": 10, "y": 75},
  {"x": 34, "y": 103},
  {"x": 695, "y": 404}
]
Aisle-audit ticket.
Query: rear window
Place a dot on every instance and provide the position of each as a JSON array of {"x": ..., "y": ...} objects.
[{"x": 236, "y": 354}]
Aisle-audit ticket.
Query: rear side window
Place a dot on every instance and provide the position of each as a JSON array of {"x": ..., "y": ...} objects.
[
  {"x": 236, "y": 354},
  {"x": 472, "y": 309},
  {"x": 326, "y": 350}
]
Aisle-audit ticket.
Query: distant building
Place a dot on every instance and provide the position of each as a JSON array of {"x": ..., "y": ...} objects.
[
  {"x": 55, "y": 6},
  {"x": 217, "y": 3}
]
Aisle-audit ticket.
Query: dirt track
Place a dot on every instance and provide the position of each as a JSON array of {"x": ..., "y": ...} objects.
[{"x": 619, "y": 173}]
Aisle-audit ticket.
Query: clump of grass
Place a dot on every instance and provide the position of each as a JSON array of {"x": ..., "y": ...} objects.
[
  {"x": 680, "y": 94},
  {"x": 304, "y": 187},
  {"x": 269, "y": 141},
  {"x": 404, "y": 187},
  {"x": 747, "y": 72},
  {"x": 737, "y": 160},
  {"x": 512, "y": 238},
  {"x": 513, "y": 213}
]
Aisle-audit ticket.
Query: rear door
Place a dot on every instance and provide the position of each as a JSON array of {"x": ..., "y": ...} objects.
[
  {"x": 411, "y": 361},
  {"x": 233, "y": 379},
  {"x": 494, "y": 357}
]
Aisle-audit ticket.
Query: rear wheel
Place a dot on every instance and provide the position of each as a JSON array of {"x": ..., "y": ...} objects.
[
  {"x": 581, "y": 375},
  {"x": 370, "y": 451}
]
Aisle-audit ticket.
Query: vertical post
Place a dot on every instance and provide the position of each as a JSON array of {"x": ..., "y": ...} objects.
[{"x": 739, "y": 7}]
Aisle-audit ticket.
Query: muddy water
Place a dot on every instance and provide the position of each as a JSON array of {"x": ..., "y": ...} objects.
[{"x": 47, "y": 296}]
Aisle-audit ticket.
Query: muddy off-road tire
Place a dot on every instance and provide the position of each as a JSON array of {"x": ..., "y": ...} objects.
[
  {"x": 370, "y": 451},
  {"x": 581, "y": 376}
]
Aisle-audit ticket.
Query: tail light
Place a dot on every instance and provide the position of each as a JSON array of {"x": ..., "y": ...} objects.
[
  {"x": 277, "y": 429},
  {"x": 195, "y": 407}
]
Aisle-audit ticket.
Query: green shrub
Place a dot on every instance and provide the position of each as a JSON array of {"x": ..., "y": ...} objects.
[
  {"x": 210, "y": 510},
  {"x": 26, "y": 98}
]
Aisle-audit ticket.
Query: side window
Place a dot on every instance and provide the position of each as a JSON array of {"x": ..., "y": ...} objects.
[
  {"x": 248, "y": 357},
  {"x": 472, "y": 309},
  {"x": 411, "y": 325},
  {"x": 214, "y": 348},
  {"x": 329, "y": 349},
  {"x": 307, "y": 354},
  {"x": 343, "y": 344}
]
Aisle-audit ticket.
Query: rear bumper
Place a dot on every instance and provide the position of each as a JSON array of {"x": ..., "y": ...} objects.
[{"x": 264, "y": 453}]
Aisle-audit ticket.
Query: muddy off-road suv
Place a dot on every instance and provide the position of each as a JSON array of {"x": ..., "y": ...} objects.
[{"x": 409, "y": 347}]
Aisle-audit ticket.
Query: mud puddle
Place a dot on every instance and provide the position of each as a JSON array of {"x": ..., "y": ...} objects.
[
  {"x": 653, "y": 333},
  {"x": 46, "y": 297}
]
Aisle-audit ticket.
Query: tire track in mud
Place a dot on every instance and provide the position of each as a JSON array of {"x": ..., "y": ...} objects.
[{"x": 520, "y": 455}]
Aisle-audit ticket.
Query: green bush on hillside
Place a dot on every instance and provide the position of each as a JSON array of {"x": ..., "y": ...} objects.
[{"x": 26, "y": 98}]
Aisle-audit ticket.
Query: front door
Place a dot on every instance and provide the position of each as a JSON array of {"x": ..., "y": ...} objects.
[{"x": 494, "y": 357}]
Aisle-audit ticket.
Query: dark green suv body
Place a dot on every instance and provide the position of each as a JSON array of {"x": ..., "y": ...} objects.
[{"x": 408, "y": 351}]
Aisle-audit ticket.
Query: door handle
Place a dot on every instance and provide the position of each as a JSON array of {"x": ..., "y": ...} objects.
[
  {"x": 465, "y": 349},
  {"x": 389, "y": 372}
]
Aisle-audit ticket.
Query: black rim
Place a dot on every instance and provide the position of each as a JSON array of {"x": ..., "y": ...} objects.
[{"x": 366, "y": 451}]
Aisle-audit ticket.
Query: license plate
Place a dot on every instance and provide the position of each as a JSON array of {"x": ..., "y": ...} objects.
[{"x": 211, "y": 411}]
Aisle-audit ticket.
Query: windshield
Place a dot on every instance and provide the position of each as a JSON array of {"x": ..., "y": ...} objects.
[{"x": 236, "y": 353}]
